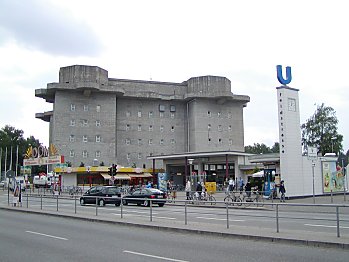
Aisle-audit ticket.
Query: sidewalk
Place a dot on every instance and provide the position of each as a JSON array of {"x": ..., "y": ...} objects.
[{"x": 241, "y": 232}]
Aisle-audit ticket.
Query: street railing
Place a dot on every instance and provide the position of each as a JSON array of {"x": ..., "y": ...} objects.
[{"x": 33, "y": 200}]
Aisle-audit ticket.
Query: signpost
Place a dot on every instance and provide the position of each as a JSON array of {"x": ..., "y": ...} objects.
[{"x": 312, "y": 155}]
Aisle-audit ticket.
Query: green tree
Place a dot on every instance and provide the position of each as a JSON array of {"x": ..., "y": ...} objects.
[
  {"x": 10, "y": 137},
  {"x": 275, "y": 148},
  {"x": 257, "y": 149},
  {"x": 320, "y": 131}
]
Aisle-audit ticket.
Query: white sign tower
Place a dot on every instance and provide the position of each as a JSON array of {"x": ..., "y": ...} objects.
[{"x": 291, "y": 163}]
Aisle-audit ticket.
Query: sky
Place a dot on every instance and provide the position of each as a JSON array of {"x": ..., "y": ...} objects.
[{"x": 172, "y": 41}]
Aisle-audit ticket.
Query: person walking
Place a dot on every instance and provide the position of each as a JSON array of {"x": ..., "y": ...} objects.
[
  {"x": 241, "y": 185},
  {"x": 231, "y": 184},
  {"x": 199, "y": 190},
  {"x": 188, "y": 189},
  {"x": 282, "y": 191},
  {"x": 248, "y": 189}
]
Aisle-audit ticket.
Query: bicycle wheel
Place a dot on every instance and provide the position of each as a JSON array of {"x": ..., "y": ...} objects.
[
  {"x": 247, "y": 201},
  {"x": 260, "y": 201},
  {"x": 212, "y": 200},
  {"x": 238, "y": 201},
  {"x": 229, "y": 200}
]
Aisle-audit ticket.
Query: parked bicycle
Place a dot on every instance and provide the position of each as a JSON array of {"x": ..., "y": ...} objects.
[
  {"x": 233, "y": 198},
  {"x": 253, "y": 197}
]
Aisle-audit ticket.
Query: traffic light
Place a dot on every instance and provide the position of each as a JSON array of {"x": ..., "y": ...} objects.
[
  {"x": 110, "y": 171},
  {"x": 113, "y": 170}
]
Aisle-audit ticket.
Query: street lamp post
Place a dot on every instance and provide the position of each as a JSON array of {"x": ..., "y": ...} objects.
[{"x": 190, "y": 161}]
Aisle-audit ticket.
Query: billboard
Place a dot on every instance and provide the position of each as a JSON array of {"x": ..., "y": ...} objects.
[{"x": 332, "y": 177}]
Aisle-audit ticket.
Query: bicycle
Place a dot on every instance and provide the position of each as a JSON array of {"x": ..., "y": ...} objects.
[
  {"x": 208, "y": 197},
  {"x": 231, "y": 199},
  {"x": 253, "y": 197}
]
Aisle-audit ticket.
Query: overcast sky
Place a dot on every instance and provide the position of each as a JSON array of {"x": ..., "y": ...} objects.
[{"x": 172, "y": 41}]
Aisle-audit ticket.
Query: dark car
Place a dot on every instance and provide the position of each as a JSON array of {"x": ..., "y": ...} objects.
[
  {"x": 143, "y": 196},
  {"x": 105, "y": 195}
]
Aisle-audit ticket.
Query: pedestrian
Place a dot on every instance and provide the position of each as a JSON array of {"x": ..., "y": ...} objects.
[
  {"x": 231, "y": 184},
  {"x": 199, "y": 189},
  {"x": 241, "y": 185},
  {"x": 282, "y": 191},
  {"x": 248, "y": 189},
  {"x": 188, "y": 189}
]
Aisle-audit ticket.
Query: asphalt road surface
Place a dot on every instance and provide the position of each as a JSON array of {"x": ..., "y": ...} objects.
[
  {"x": 307, "y": 219},
  {"x": 31, "y": 237}
]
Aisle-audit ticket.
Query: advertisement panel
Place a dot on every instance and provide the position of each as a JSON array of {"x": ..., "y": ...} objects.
[
  {"x": 332, "y": 176},
  {"x": 162, "y": 181}
]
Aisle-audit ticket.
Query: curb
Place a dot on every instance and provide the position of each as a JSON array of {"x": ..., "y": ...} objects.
[{"x": 310, "y": 243}]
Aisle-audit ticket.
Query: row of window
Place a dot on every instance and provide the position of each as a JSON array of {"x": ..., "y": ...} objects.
[
  {"x": 85, "y": 108},
  {"x": 84, "y": 122},
  {"x": 173, "y": 141},
  {"x": 84, "y": 138},
  {"x": 151, "y": 128},
  {"x": 150, "y": 114},
  {"x": 85, "y": 154}
]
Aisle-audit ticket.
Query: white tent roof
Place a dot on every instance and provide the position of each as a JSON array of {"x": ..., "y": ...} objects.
[{"x": 258, "y": 174}]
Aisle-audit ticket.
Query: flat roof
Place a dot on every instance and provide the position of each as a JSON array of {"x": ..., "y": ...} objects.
[{"x": 200, "y": 154}]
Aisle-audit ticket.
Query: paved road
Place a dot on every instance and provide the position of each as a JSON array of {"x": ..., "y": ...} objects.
[
  {"x": 31, "y": 237},
  {"x": 310, "y": 228}
]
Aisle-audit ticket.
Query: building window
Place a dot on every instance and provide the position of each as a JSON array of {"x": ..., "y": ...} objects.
[
  {"x": 139, "y": 142},
  {"x": 139, "y": 114},
  {"x": 229, "y": 128},
  {"x": 128, "y": 113},
  {"x": 139, "y": 127},
  {"x": 128, "y": 127},
  {"x": 71, "y": 153},
  {"x": 161, "y": 114},
  {"x": 128, "y": 156},
  {"x": 98, "y": 138},
  {"x": 172, "y": 108},
  {"x": 139, "y": 155},
  {"x": 71, "y": 138},
  {"x": 172, "y": 128},
  {"x": 219, "y": 114},
  {"x": 209, "y": 141},
  {"x": 172, "y": 115},
  {"x": 84, "y": 138},
  {"x": 84, "y": 122},
  {"x": 209, "y": 126},
  {"x": 127, "y": 141},
  {"x": 209, "y": 113},
  {"x": 220, "y": 128},
  {"x": 84, "y": 154},
  {"x": 150, "y": 128},
  {"x": 150, "y": 114},
  {"x": 72, "y": 122},
  {"x": 72, "y": 107},
  {"x": 98, "y": 154},
  {"x": 230, "y": 142},
  {"x": 162, "y": 108},
  {"x": 85, "y": 108},
  {"x": 173, "y": 141},
  {"x": 98, "y": 108},
  {"x": 98, "y": 123},
  {"x": 161, "y": 128},
  {"x": 161, "y": 141},
  {"x": 220, "y": 141},
  {"x": 150, "y": 141}
]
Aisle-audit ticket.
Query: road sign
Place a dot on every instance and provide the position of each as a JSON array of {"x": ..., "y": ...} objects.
[{"x": 312, "y": 153}]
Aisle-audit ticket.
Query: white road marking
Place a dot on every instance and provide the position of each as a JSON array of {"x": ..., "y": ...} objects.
[
  {"x": 148, "y": 255},
  {"x": 313, "y": 225},
  {"x": 134, "y": 215},
  {"x": 41, "y": 234},
  {"x": 221, "y": 219},
  {"x": 140, "y": 212}
]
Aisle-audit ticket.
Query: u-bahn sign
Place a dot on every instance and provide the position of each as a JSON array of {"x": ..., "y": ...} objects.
[{"x": 37, "y": 156}]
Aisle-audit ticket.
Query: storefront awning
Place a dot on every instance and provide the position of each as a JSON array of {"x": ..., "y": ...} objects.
[
  {"x": 105, "y": 176},
  {"x": 122, "y": 177},
  {"x": 140, "y": 175}
]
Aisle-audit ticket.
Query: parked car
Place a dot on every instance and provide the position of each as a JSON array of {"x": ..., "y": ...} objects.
[
  {"x": 105, "y": 195},
  {"x": 142, "y": 197}
]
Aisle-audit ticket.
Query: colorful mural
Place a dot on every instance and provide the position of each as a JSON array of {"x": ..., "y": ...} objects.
[{"x": 333, "y": 178}]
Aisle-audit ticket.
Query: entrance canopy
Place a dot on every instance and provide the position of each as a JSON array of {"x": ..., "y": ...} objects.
[{"x": 258, "y": 174}]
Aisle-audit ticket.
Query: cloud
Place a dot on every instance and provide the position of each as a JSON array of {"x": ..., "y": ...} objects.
[{"x": 38, "y": 25}]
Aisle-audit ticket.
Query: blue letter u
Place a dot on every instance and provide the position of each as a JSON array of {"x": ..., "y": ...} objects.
[{"x": 288, "y": 75}]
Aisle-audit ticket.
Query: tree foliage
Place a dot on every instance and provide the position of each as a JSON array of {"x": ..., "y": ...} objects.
[
  {"x": 10, "y": 137},
  {"x": 262, "y": 148},
  {"x": 320, "y": 131}
]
